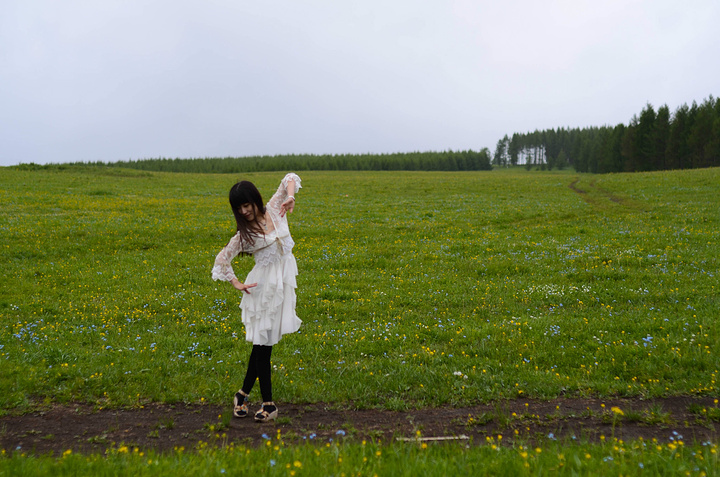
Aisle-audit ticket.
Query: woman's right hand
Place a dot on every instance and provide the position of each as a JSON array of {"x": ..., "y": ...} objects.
[{"x": 243, "y": 287}]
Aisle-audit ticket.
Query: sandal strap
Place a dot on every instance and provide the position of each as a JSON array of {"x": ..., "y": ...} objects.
[
  {"x": 241, "y": 409},
  {"x": 263, "y": 414}
]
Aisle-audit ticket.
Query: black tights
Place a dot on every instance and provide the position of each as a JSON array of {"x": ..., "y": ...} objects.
[{"x": 259, "y": 368}]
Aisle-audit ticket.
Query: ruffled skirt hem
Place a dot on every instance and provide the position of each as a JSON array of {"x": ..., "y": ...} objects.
[{"x": 268, "y": 312}]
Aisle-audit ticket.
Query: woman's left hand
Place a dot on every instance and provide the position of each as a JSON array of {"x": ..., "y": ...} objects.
[{"x": 287, "y": 206}]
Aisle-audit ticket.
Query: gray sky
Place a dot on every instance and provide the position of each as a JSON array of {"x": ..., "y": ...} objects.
[{"x": 128, "y": 79}]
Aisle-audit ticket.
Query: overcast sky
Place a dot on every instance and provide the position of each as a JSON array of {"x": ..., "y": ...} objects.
[{"x": 128, "y": 79}]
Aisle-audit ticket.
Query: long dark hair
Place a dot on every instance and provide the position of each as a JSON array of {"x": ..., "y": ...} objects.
[{"x": 245, "y": 192}]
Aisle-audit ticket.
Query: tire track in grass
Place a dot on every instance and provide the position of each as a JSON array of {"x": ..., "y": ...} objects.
[{"x": 598, "y": 197}]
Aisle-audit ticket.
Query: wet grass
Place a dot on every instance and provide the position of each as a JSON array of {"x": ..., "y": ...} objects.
[{"x": 416, "y": 289}]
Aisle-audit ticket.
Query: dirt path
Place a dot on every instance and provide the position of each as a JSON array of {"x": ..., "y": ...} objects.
[{"x": 164, "y": 427}]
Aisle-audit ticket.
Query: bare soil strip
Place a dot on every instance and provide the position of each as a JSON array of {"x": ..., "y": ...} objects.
[{"x": 164, "y": 427}]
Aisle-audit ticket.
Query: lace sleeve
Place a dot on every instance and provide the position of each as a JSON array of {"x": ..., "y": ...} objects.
[
  {"x": 222, "y": 270},
  {"x": 281, "y": 194},
  {"x": 295, "y": 178}
]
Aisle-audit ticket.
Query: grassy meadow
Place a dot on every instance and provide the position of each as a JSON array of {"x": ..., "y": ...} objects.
[
  {"x": 415, "y": 288},
  {"x": 394, "y": 459}
]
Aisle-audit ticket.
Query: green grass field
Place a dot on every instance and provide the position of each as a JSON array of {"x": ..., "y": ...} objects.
[
  {"x": 416, "y": 288},
  {"x": 368, "y": 458}
]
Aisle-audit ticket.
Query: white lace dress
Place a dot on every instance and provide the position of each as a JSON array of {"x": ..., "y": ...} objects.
[{"x": 268, "y": 312}]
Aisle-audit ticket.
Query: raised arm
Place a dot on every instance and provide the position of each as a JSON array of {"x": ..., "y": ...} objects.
[
  {"x": 289, "y": 204},
  {"x": 283, "y": 201}
]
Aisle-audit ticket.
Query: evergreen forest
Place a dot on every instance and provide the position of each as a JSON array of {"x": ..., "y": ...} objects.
[
  {"x": 413, "y": 161},
  {"x": 655, "y": 140},
  {"x": 688, "y": 138}
]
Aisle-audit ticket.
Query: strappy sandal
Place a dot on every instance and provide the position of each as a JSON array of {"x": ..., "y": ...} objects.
[
  {"x": 268, "y": 412},
  {"x": 240, "y": 410}
]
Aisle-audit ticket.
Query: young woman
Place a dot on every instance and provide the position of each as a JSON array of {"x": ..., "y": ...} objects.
[{"x": 268, "y": 302}]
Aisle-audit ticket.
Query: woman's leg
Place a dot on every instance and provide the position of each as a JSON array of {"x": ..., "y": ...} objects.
[
  {"x": 251, "y": 375},
  {"x": 264, "y": 371},
  {"x": 259, "y": 367},
  {"x": 241, "y": 399},
  {"x": 268, "y": 411}
]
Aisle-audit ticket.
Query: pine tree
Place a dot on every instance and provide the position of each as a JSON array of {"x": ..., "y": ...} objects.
[
  {"x": 701, "y": 135},
  {"x": 661, "y": 135},
  {"x": 645, "y": 139},
  {"x": 500, "y": 152}
]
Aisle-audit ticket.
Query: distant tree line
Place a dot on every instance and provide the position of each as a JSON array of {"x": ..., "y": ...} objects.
[
  {"x": 655, "y": 140},
  {"x": 412, "y": 161}
]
